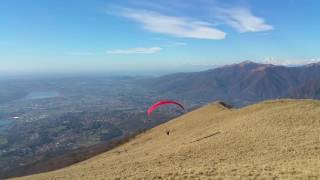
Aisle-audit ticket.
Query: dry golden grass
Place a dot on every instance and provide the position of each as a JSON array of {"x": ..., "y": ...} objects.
[{"x": 271, "y": 140}]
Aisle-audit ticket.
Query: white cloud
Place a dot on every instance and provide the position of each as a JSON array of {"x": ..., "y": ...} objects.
[
  {"x": 174, "y": 26},
  {"x": 243, "y": 20},
  {"x": 290, "y": 62},
  {"x": 151, "y": 50}
]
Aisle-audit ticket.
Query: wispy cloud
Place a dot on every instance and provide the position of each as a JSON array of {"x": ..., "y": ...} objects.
[
  {"x": 242, "y": 20},
  {"x": 290, "y": 62},
  {"x": 174, "y": 26},
  {"x": 176, "y": 44},
  {"x": 179, "y": 44},
  {"x": 169, "y": 43},
  {"x": 140, "y": 50},
  {"x": 205, "y": 23}
]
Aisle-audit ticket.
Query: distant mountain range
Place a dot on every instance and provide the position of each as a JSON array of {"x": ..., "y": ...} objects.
[{"x": 241, "y": 84}]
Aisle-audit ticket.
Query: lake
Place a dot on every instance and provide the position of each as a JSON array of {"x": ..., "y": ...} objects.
[{"x": 41, "y": 95}]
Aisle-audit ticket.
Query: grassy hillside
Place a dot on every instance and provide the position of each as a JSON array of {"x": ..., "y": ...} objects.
[{"x": 273, "y": 139}]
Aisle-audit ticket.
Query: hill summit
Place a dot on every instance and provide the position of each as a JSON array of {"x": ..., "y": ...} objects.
[{"x": 272, "y": 139}]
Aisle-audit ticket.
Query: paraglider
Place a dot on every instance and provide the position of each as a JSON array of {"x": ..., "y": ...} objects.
[{"x": 160, "y": 103}]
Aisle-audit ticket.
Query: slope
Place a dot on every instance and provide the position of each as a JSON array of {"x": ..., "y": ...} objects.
[{"x": 272, "y": 139}]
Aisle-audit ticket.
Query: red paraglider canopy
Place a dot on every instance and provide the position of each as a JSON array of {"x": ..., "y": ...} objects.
[{"x": 160, "y": 103}]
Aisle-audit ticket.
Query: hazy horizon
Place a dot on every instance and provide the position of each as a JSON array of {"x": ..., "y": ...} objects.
[{"x": 150, "y": 72}]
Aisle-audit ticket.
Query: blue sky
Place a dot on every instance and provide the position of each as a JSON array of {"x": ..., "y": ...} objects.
[{"x": 134, "y": 35}]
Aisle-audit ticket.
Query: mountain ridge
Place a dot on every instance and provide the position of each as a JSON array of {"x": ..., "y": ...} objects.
[{"x": 240, "y": 84}]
